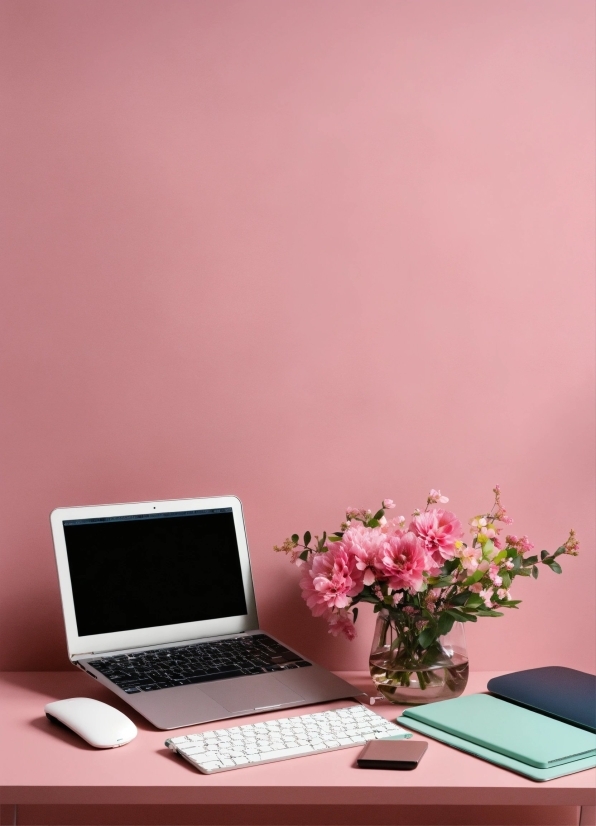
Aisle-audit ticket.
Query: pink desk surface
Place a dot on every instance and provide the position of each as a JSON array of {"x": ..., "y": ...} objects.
[{"x": 43, "y": 764}]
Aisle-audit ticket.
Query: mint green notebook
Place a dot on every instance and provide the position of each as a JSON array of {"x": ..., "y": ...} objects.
[
  {"x": 509, "y": 730},
  {"x": 499, "y": 759}
]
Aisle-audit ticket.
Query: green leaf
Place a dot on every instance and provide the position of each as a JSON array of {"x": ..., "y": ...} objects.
[
  {"x": 440, "y": 582},
  {"x": 517, "y": 561},
  {"x": 460, "y": 616},
  {"x": 511, "y": 552},
  {"x": 523, "y": 572},
  {"x": 543, "y": 555},
  {"x": 530, "y": 560},
  {"x": 339, "y": 534},
  {"x": 506, "y": 580},
  {"x": 451, "y": 565},
  {"x": 295, "y": 538},
  {"x": 321, "y": 542},
  {"x": 499, "y": 557},
  {"x": 460, "y": 599},
  {"x": 303, "y": 556},
  {"x": 378, "y": 607},
  {"x": 488, "y": 546},
  {"x": 334, "y": 538},
  {"x": 445, "y": 624},
  {"x": 307, "y": 538},
  {"x": 379, "y": 513},
  {"x": 474, "y": 601},
  {"x": 559, "y": 551},
  {"x": 476, "y": 577},
  {"x": 554, "y": 566},
  {"x": 355, "y": 613},
  {"x": 373, "y": 523},
  {"x": 487, "y": 612},
  {"x": 427, "y": 636},
  {"x": 535, "y": 571}
]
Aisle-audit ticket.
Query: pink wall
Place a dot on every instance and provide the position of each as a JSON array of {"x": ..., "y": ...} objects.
[{"x": 311, "y": 252}]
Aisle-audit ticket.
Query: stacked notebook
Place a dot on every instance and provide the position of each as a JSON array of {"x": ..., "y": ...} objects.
[{"x": 507, "y": 734}]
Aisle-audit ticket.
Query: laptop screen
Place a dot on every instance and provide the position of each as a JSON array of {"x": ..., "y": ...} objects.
[{"x": 143, "y": 571}]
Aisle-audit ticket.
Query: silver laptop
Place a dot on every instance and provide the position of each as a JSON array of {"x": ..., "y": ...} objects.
[{"x": 159, "y": 607}]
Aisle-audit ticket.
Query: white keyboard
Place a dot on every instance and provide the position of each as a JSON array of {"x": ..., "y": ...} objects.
[{"x": 231, "y": 748}]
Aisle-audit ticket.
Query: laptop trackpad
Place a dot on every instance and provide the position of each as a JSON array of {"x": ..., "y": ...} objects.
[{"x": 249, "y": 693}]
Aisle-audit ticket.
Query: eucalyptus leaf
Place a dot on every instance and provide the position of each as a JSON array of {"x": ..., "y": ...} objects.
[
  {"x": 535, "y": 571},
  {"x": 543, "y": 555},
  {"x": 554, "y": 566}
]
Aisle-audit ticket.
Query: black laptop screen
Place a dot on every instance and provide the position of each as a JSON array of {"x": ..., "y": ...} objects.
[{"x": 149, "y": 570}]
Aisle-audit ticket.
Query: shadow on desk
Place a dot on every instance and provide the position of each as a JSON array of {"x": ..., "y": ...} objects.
[{"x": 157, "y": 815}]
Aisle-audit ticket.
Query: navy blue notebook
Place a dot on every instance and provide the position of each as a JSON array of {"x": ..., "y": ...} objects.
[{"x": 558, "y": 692}]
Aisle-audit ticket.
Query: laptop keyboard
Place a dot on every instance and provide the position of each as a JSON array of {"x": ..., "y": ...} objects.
[{"x": 197, "y": 663}]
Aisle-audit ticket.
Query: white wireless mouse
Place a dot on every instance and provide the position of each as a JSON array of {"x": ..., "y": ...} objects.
[{"x": 99, "y": 724}]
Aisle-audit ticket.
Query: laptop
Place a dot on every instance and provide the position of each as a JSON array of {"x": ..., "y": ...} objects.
[{"x": 159, "y": 607}]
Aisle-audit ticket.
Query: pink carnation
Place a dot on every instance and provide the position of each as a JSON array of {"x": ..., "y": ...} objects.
[
  {"x": 439, "y": 530},
  {"x": 332, "y": 580},
  {"x": 403, "y": 561},
  {"x": 365, "y": 544},
  {"x": 342, "y": 623}
]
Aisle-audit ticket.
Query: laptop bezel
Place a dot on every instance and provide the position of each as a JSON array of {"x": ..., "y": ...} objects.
[{"x": 82, "y": 646}]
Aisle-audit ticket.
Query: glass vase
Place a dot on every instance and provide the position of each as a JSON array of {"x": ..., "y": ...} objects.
[{"x": 406, "y": 673}]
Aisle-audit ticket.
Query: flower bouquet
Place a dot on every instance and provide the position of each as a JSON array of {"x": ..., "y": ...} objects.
[{"x": 424, "y": 582}]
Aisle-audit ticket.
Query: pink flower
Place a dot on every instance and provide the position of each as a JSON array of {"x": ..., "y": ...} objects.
[
  {"x": 331, "y": 581},
  {"x": 341, "y": 623},
  {"x": 435, "y": 496},
  {"x": 522, "y": 545},
  {"x": 439, "y": 530},
  {"x": 503, "y": 593},
  {"x": 394, "y": 525},
  {"x": 470, "y": 557},
  {"x": 388, "y": 504},
  {"x": 486, "y": 594},
  {"x": 365, "y": 544},
  {"x": 403, "y": 561}
]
